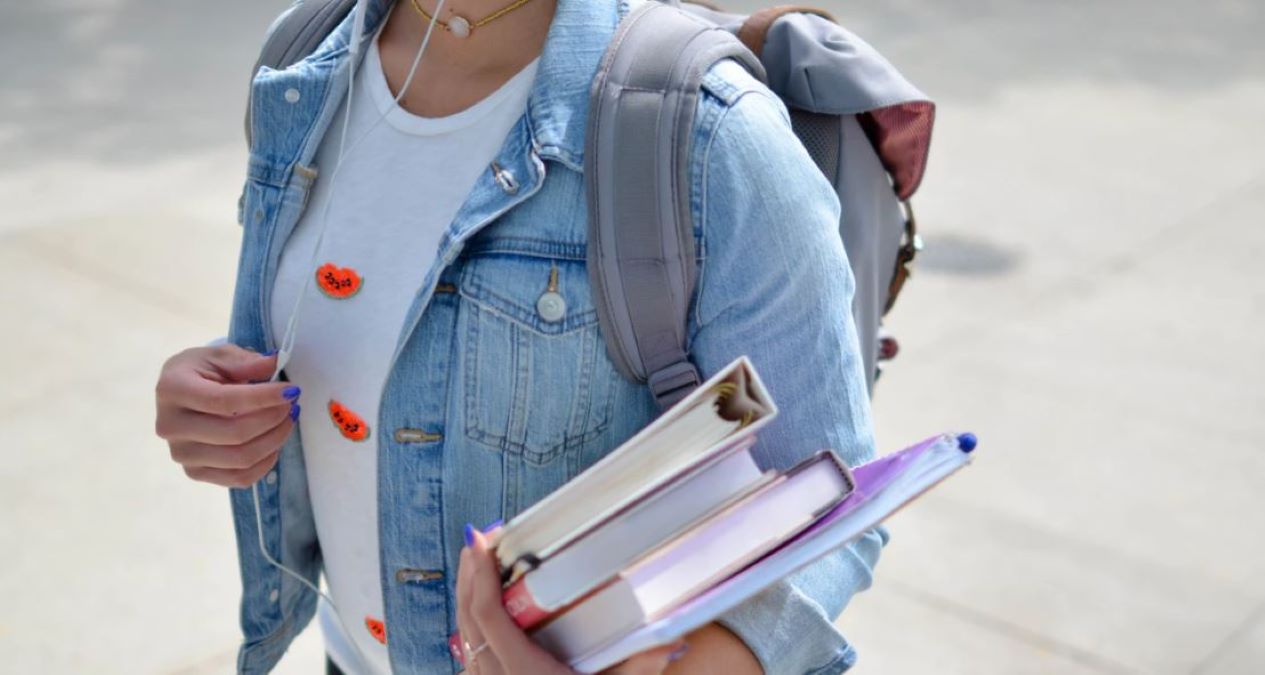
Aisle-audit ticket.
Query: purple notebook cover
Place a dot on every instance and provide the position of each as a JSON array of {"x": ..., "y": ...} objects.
[{"x": 870, "y": 478}]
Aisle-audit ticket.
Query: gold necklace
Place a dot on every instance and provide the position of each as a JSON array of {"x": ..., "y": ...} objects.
[{"x": 460, "y": 26}]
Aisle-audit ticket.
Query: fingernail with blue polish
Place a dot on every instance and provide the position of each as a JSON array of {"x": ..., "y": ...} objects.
[
  {"x": 269, "y": 354},
  {"x": 291, "y": 393},
  {"x": 680, "y": 652},
  {"x": 295, "y": 409},
  {"x": 495, "y": 524},
  {"x": 469, "y": 534}
]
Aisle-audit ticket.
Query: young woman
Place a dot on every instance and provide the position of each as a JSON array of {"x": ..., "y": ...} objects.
[{"x": 435, "y": 386}]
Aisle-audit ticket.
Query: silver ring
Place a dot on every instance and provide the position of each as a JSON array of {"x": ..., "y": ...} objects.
[{"x": 472, "y": 654}]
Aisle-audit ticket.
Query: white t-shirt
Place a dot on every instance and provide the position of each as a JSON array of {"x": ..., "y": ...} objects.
[{"x": 402, "y": 180}]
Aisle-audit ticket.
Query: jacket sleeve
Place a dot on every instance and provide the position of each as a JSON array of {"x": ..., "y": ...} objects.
[{"x": 774, "y": 284}]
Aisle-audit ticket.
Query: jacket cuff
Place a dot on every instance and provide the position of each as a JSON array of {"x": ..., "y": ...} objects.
[
  {"x": 790, "y": 625},
  {"x": 788, "y": 633}
]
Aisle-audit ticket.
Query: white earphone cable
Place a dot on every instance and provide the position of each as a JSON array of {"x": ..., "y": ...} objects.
[
  {"x": 292, "y": 324},
  {"x": 287, "y": 341}
]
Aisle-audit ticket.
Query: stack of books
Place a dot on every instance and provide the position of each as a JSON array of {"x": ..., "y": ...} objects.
[{"x": 680, "y": 524}]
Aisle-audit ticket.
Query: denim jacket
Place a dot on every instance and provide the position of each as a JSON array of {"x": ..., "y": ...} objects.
[{"x": 489, "y": 407}]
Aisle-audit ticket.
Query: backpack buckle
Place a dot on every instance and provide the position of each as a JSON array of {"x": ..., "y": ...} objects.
[
  {"x": 671, "y": 384},
  {"x": 910, "y": 245}
]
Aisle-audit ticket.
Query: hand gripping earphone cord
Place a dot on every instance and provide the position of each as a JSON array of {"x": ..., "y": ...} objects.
[{"x": 292, "y": 324}]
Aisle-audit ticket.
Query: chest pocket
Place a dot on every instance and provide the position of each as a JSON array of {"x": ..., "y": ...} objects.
[{"x": 536, "y": 380}]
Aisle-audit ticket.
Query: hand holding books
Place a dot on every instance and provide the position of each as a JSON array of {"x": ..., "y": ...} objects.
[
  {"x": 674, "y": 528},
  {"x": 495, "y": 645}
]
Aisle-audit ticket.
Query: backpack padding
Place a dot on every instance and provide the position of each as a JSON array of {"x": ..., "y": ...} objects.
[
  {"x": 641, "y": 234},
  {"x": 296, "y": 33}
]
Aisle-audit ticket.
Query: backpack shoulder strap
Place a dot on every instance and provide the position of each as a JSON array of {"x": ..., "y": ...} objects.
[
  {"x": 641, "y": 235},
  {"x": 296, "y": 33}
]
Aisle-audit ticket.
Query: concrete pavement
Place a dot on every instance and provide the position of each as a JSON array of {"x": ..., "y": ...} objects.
[{"x": 1089, "y": 304}]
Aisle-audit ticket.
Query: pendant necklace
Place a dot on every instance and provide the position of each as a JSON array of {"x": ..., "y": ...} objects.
[{"x": 460, "y": 26}]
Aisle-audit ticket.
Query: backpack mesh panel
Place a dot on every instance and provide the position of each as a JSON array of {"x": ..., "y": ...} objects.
[
  {"x": 820, "y": 135},
  {"x": 901, "y": 135}
]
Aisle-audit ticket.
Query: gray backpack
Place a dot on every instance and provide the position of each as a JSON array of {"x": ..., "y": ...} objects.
[{"x": 865, "y": 126}]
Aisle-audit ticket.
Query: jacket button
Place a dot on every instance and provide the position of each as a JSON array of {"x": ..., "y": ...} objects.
[
  {"x": 406, "y": 575},
  {"x": 406, "y": 435},
  {"x": 551, "y": 306},
  {"x": 271, "y": 478},
  {"x": 292, "y": 95},
  {"x": 274, "y": 596},
  {"x": 504, "y": 178}
]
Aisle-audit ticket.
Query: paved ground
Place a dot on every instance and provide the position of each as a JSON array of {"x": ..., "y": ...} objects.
[{"x": 1090, "y": 304}]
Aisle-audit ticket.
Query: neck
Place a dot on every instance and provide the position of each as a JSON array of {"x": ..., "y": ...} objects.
[
  {"x": 503, "y": 45},
  {"x": 456, "y": 72}
]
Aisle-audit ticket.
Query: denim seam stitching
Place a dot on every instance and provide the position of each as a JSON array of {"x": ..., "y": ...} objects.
[
  {"x": 582, "y": 319},
  {"x": 528, "y": 245},
  {"x": 474, "y": 428},
  {"x": 705, "y": 168},
  {"x": 475, "y": 291}
]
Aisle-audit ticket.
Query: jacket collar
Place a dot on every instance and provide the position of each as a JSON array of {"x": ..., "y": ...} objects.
[
  {"x": 557, "y": 108},
  {"x": 559, "y": 103}
]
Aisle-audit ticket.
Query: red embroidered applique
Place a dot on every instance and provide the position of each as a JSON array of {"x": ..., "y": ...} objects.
[
  {"x": 351, "y": 425},
  {"x": 338, "y": 282},
  {"x": 377, "y": 629}
]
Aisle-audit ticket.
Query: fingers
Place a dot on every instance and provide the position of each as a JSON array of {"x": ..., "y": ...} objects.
[
  {"x": 471, "y": 633},
  {"x": 221, "y": 428},
  {"x": 192, "y": 391},
  {"x": 485, "y": 595},
  {"x": 483, "y": 620},
  {"x": 242, "y": 365},
  {"x": 230, "y": 477},
  {"x": 218, "y": 380},
  {"x": 241, "y": 456},
  {"x": 189, "y": 425},
  {"x": 485, "y": 661},
  {"x": 465, "y": 594},
  {"x": 505, "y": 639}
]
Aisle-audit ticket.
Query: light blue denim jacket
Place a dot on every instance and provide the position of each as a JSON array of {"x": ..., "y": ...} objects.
[{"x": 488, "y": 407}]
